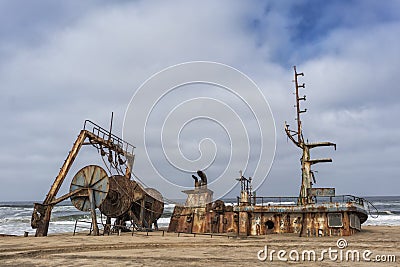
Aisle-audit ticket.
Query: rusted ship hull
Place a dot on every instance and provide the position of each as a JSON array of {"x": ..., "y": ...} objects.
[
  {"x": 325, "y": 219},
  {"x": 203, "y": 220}
]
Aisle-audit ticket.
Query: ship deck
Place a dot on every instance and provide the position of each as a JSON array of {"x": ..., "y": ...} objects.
[{"x": 343, "y": 203}]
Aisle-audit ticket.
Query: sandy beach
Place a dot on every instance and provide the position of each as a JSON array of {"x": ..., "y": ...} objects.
[{"x": 189, "y": 250}]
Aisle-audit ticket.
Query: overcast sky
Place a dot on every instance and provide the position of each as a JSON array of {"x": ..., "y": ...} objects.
[{"x": 62, "y": 62}]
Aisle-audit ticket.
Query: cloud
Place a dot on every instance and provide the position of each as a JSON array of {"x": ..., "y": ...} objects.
[{"x": 61, "y": 64}]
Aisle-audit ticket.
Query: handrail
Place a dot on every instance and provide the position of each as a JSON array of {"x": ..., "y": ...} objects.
[
  {"x": 106, "y": 135},
  {"x": 292, "y": 201}
]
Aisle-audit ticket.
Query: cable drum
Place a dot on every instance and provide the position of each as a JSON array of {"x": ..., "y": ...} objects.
[
  {"x": 128, "y": 200},
  {"x": 93, "y": 178},
  {"x": 120, "y": 196}
]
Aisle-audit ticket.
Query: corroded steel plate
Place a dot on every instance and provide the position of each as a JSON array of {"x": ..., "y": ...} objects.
[
  {"x": 158, "y": 202},
  {"x": 93, "y": 178}
]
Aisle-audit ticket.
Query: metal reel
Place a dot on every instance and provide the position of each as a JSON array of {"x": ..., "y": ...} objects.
[
  {"x": 93, "y": 180},
  {"x": 119, "y": 198}
]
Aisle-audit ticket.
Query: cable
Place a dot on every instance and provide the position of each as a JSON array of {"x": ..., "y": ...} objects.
[
  {"x": 369, "y": 205},
  {"x": 109, "y": 170},
  {"x": 166, "y": 200}
]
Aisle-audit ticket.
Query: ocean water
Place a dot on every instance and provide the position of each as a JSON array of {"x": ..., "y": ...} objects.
[{"x": 15, "y": 217}]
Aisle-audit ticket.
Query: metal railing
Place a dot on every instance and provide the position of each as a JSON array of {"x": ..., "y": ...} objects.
[
  {"x": 106, "y": 135},
  {"x": 83, "y": 224},
  {"x": 293, "y": 201}
]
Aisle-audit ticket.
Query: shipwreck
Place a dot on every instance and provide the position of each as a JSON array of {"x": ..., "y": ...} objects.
[
  {"x": 315, "y": 212},
  {"x": 114, "y": 194}
]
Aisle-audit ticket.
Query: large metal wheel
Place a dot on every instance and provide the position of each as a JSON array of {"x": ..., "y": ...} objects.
[{"x": 92, "y": 178}]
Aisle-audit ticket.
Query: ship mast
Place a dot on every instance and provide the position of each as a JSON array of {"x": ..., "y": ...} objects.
[{"x": 297, "y": 138}]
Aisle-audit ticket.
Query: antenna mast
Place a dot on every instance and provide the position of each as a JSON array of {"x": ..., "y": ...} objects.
[
  {"x": 299, "y": 133},
  {"x": 306, "y": 173},
  {"x": 299, "y": 111}
]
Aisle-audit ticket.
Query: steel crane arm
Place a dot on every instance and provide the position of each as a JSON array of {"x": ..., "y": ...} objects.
[{"x": 65, "y": 167}]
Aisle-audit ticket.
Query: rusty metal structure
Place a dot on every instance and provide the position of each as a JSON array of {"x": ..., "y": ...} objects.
[
  {"x": 115, "y": 195},
  {"x": 315, "y": 212}
]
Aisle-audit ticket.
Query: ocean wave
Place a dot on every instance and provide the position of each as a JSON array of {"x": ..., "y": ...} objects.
[
  {"x": 386, "y": 212},
  {"x": 389, "y": 220},
  {"x": 15, "y": 217},
  {"x": 13, "y": 220},
  {"x": 163, "y": 222}
]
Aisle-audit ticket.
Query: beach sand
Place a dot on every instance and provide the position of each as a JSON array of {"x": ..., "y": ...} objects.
[{"x": 187, "y": 250}]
